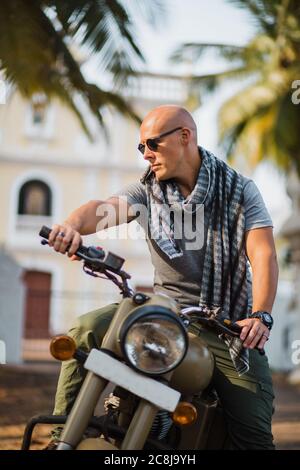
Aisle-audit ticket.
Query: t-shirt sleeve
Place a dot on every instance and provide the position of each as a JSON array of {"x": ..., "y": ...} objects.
[
  {"x": 135, "y": 194},
  {"x": 256, "y": 213}
]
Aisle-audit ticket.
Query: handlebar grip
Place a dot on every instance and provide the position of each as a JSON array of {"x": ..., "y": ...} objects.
[
  {"x": 45, "y": 232},
  {"x": 93, "y": 252},
  {"x": 237, "y": 329}
]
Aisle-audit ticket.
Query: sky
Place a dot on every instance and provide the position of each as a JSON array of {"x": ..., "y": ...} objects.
[
  {"x": 215, "y": 21},
  {"x": 193, "y": 21}
]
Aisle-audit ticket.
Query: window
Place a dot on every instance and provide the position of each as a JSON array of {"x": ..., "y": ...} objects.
[
  {"x": 39, "y": 119},
  {"x": 35, "y": 199},
  {"x": 38, "y": 113},
  {"x": 39, "y": 109}
]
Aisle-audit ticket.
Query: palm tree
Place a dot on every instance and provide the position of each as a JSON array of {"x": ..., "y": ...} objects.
[
  {"x": 261, "y": 120},
  {"x": 37, "y": 38}
]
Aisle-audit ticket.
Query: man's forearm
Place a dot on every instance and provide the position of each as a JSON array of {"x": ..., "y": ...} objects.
[
  {"x": 264, "y": 282},
  {"x": 99, "y": 215},
  {"x": 84, "y": 219}
]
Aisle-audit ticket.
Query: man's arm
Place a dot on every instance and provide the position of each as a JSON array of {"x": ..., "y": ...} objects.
[
  {"x": 260, "y": 250},
  {"x": 87, "y": 219}
]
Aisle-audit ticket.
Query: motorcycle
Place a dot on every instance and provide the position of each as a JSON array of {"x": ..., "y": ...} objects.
[{"x": 163, "y": 398}]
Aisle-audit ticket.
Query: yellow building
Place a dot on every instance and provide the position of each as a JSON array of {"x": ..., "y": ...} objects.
[{"x": 48, "y": 168}]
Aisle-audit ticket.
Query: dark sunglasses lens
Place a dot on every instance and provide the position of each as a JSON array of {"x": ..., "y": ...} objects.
[
  {"x": 152, "y": 144},
  {"x": 141, "y": 148}
]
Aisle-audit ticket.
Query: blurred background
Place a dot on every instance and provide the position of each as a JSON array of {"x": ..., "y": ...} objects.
[{"x": 76, "y": 78}]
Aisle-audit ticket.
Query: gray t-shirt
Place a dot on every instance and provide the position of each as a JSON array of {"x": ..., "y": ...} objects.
[{"x": 180, "y": 277}]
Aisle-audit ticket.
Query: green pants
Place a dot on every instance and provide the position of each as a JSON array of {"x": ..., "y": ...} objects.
[{"x": 247, "y": 400}]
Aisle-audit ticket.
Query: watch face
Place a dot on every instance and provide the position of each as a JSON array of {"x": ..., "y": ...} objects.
[{"x": 267, "y": 319}]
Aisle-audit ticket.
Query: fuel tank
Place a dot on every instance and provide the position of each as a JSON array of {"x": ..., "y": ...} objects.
[{"x": 195, "y": 371}]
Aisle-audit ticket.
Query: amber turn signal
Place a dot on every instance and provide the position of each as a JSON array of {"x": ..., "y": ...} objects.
[
  {"x": 62, "y": 347},
  {"x": 185, "y": 413}
]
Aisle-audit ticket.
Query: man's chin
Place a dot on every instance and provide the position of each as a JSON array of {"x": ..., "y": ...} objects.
[{"x": 160, "y": 175}]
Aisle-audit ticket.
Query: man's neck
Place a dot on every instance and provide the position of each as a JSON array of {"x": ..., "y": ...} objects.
[{"x": 187, "y": 181}]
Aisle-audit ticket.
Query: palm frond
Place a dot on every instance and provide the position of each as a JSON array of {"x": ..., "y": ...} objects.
[
  {"x": 209, "y": 82},
  {"x": 260, "y": 121},
  {"x": 256, "y": 53},
  {"x": 193, "y": 52},
  {"x": 256, "y": 137},
  {"x": 154, "y": 12},
  {"x": 286, "y": 134},
  {"x": 107, "y": 29},
  {"x": 250, "y": 101},
  {"x": 42, "y": 61},
  {"x": 262, "y": 12}
]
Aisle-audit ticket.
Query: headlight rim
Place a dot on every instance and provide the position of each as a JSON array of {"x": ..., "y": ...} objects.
[{"x": 146, "y": 311}]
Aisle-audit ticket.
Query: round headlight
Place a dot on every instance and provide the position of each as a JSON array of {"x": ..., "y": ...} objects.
[{"x": 153, "y": 340}]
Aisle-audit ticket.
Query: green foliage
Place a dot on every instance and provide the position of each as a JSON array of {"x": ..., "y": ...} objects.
[{"x": 37, "y": 39}]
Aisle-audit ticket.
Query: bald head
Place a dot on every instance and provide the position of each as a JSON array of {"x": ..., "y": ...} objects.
[
  {"x": 168, "y": 142},
  {"x": 166, "y": 117}
]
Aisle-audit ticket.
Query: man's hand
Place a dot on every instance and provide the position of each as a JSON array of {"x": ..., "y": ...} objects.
[
  {"x": 254, "y": 333},
  {"x": 62, "y": 236}
]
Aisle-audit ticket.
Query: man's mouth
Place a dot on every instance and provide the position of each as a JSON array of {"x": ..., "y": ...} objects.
[{"x": 154, "y": 167}]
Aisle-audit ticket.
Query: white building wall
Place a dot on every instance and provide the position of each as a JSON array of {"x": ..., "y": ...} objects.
[
  {"x": 76, "y": 171},
  {"x": 278, "y": 347}
]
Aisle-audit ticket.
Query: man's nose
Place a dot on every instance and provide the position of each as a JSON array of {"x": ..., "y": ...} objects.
[{"x": 148, "y": 154}]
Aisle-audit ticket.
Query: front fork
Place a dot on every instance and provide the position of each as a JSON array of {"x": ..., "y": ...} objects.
[
  {"x": 140, "y": 426},
  {"x": 83, "y": 410},
  {"x": 90, "y": 391}
]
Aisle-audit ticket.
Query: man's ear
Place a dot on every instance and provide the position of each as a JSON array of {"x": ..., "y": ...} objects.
[{"x": 186, "y": 135}]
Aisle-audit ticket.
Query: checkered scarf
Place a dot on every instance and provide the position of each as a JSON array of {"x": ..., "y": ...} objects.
[{"x": 223, "y": 286}]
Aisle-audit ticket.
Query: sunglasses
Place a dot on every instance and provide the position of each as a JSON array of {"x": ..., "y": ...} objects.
[{"x": 152, "y": 144}]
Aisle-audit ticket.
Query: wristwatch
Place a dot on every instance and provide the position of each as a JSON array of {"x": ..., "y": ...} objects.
[{"x": 264, "y": 317}]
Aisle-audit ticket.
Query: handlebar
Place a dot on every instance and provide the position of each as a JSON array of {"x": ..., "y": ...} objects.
[
  {"x": 221, "y": 326},
  {"x": 82, "y": 252},
  {"x": 45, "y": 232},
  {"x": 95, "y": 257},
  {"x": 97, "y": 261}
]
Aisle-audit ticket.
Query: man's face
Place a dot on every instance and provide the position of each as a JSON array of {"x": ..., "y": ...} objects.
[{"x": 166, "y": 160}]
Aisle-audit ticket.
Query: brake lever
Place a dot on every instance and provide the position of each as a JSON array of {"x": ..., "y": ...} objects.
[
  {"x": 236, "y": 329},
  {"x": 93, "y": 262},
  {"x": 225, "y": 327},
  {"x": 222, "y": 328}
]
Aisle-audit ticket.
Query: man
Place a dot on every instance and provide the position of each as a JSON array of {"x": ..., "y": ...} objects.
[{"x": 236, "y": 228}]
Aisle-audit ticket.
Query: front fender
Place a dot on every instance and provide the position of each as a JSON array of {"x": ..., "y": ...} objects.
[{"x": 95, "y": 444}]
